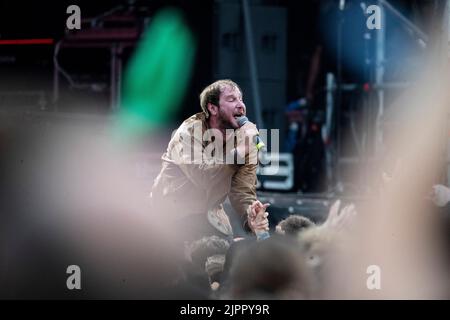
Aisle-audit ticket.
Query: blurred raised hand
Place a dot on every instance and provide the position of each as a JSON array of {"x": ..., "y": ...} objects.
[{"x": 339, "y": 219}]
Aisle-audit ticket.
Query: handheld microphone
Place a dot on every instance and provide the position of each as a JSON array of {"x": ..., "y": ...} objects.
[{"x": 259, "y": 143}]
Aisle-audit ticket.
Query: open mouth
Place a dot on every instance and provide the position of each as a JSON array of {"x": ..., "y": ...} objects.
[{"x": 240, "y": 119}]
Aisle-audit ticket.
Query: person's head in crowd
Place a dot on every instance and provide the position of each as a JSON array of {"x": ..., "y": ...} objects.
[
  {"x": 199, "y": 250},
  {"x": 208, "y": 256},
  {"x": 293, "y": 224},
  {"x": 270, "y": 269},
  {"x": 314, "y": 242},
  {"x": 316, "y": 239}
]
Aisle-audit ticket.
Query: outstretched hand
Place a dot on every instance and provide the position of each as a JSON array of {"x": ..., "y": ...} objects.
[
  {"x": 257, "y": 216},
  {"x": 338, "y": 219}
]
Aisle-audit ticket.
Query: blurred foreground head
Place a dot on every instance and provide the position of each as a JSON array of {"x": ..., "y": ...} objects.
[
  {"x": 68, "y": 198},
  {"x": 397, "y": 242},
  {"x": 270, "y": 269}
]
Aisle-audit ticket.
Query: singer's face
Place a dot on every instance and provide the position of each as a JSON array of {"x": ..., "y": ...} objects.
[{"x": 231, "y": 107}]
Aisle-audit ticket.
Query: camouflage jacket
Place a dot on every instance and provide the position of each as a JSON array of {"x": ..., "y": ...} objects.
[{"x": 193, "y": 182}]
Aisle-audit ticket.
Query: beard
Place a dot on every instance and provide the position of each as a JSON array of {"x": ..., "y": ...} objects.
[{"x": 226, "y": 122}]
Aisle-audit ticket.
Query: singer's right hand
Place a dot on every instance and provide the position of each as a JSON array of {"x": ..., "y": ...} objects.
[{"x": 245, "y": 138}]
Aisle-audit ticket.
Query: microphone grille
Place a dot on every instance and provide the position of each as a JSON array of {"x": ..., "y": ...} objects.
[{"x": 242, "y": 120}]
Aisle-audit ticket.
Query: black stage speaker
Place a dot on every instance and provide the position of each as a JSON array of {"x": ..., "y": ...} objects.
[{"x": 230, "y": 58}]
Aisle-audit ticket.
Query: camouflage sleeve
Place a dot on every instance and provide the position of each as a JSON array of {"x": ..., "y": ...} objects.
[
  {"x": 243, "y": 189},
  {"x": 186, "y": 152}
]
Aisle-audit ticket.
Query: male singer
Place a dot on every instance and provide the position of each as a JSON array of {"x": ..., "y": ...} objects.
[{"x": 210, "y": 157}]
